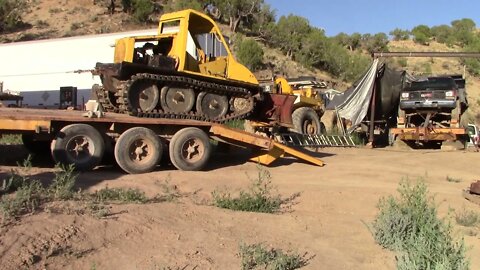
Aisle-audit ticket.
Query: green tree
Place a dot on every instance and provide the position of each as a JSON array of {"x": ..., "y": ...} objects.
[
  {"x": 441, "y": 33},
  {"x": 11, "y": 12},
  {"x": 250, "y": 53},
  {"x": 399, "y": 34},
  {"x": 464, "y": 31},
  {"x": 421, "y": 34},
  {"x": 355, "y": 41},
  {"x": 473, "y": 64},
  {"x": 262, "y": 24},
  {"x": 142, "y": 9},
  {"x": 375, "y": 43},
  {"x": 290, "y": 33},
  {"x": 236, "y": 11},
  {"x": 313, "y": 50},
  {"x": 342, "y": 39},
  {"x": 175, "y": 5}
]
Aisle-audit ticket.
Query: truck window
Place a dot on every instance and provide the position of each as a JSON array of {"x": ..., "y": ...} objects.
[
  {"x": 170, "y": 27},
  {"x": 211, "y": 44}
]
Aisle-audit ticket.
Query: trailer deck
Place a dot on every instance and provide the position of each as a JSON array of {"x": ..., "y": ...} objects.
[{"x": 46, "y": 123}]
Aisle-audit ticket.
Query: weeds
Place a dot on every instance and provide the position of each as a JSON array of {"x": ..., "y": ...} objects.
[
  {"x": 453, "y": 180},
  {"x": 26, "y": 200},
  {"x": 170, "y": 192},
  {"x": 409, "y": 225},
  {"x": 120, "y": 195},
  {"x": 18, "y": 177},
  {"x": 467, "y": 218},
  {"x": 10, "y": 139},
  {"x": 257, "y": 256},
  {"x": 258, "y": 198},
  {"x": 63, "y": 185}
]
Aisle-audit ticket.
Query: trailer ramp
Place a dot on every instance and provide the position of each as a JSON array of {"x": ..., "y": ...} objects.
[
  {"x": 267, "y": 150},
  {"x": 316, "y": 140}
]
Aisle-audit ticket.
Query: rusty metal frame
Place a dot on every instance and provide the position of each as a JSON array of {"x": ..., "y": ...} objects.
[{"x": 428, "y": 134}]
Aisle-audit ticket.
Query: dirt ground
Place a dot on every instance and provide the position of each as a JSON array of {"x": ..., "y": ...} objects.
[{"x": 328, "y": 220}]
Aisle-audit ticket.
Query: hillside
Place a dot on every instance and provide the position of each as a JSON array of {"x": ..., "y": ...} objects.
[{"x": 64, "y": 18}]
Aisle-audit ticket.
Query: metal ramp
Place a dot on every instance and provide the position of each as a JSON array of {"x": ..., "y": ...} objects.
[
  {"x": 304, "y": 140},
  {"x": 266, "y": 149}
]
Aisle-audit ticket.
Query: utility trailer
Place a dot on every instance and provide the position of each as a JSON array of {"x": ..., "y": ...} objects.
[{"x": 82, "y": 139}]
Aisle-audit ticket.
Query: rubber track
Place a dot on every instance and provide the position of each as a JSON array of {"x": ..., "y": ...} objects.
[{"x": 178, "y": 81}]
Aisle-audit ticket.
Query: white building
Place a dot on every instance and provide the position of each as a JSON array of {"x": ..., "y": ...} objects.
[{"x": 37, "y": 69}]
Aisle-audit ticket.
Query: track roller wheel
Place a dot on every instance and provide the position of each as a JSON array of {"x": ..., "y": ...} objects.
[
  {"x": 138, "y": 150},
  {"x": 190, "y": 149},
  {"x": 212, "y": 106},
  {"x": 306, "y": 121},
  {"x": 143, "y": 95},
  {"x": 78, "y": 144},
  {"x": 177, "y": 100},
  {"x": 239, "y": 104}
]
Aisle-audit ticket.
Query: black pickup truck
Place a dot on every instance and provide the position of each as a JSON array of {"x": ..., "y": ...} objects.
[{"x": 443, "y": 93}]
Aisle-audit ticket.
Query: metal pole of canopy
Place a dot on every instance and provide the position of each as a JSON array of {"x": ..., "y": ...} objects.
[{"x": 426, "y": 54}]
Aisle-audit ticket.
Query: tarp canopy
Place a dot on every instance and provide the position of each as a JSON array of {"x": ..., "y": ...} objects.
[{"x": 354, "y": 104}]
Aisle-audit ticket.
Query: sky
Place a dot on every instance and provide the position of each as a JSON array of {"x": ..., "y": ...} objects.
[{"x": 373, "y": 16}]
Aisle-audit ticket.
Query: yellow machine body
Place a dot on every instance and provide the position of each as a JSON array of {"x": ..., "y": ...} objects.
[{"x": 195, "y": 42}]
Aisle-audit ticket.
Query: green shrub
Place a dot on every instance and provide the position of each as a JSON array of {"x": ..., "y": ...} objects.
[
  {"x": 142, "y": 9},
  {"x": 250, "y": 53},
  {"x": 257, "y": 256},
  {"x": 258, "y": 198},
  {"x": 10, "y": 139},
  {"x": 11, "y": 12},
  {"x": 63, "y": 185},
  {"x": 467, "y": 218},
  {"x": 26, "y": 200},
  {"x": 120, "y": 195},
  {"x": 409, "y": 225},
  {"x": 402, "y": 61},
  {"x": 453, "y": 180}
]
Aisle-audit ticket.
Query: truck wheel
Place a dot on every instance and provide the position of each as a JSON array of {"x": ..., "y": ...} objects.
[
  {"x": 78, "y": 144},
  {"x": 38, "y": 147},
  {"x": 138, "y": 150},
  {"x": 306, "y": 121},
  {"x": 190, "y": 149}
]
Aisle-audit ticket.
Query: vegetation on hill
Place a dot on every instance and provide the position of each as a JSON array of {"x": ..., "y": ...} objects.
[{"x": 342, "y": 56}]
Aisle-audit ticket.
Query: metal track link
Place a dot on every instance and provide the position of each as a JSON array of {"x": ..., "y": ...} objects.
[{"x": 180, "y": 81}]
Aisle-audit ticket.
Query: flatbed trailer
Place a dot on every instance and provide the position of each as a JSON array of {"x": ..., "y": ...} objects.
[{"x": 82, "y": 139}]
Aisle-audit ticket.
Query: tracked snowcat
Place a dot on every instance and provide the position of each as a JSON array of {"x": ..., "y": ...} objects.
[{"x": 186, "y": 71}]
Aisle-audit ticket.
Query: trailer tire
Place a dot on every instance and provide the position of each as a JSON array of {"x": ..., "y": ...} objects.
[
  {"x": 306, "y": 121},
  {"x": 138, "y": 150},
  {"x": 190, "y": 149},
  {"x": 37, "y": 147},
  {"x": 78, "y": 144}
]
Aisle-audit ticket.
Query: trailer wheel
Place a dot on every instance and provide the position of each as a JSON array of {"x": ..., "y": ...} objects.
[
  {"x": 138, "y": 150},
  {"x": 38, "y": 147},
  {"x": 190, "y": 149},
  {"x": 78, "y": 144},
  {"x": 306, "y": 121}
]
